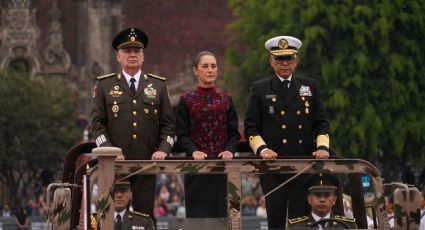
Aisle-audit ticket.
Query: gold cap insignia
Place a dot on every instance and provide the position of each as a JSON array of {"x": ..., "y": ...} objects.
[{"x": 283, "y": 44}]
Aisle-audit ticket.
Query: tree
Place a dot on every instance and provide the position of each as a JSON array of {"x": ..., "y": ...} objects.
[
  {"x": 368, "y": 57},
  {"x": 36, "y": 129}
]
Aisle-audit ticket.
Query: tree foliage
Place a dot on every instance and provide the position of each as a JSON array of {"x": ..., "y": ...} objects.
[
  {"x": 368, "y": 57},
  {"x": 36, "y": 129}
]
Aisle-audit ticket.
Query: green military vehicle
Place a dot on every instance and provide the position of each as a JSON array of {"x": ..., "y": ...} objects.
[{"x": 90, "y": 172}]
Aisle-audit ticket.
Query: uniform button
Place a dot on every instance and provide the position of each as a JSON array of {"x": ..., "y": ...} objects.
[
  {"x": 283, "y": 126},
  {"x": 282, "y": 112},
  {"x": 303, "y": 98},
  {"x": 115, "y": 102},
  {"x": 134, "y": 101},
  {"x": 134, "y": 113},
  {"x": 300, "y": 126},
  {"x": 115, "y": 115},
  {"x": 298, "y": 112},
  {"x": 284, "y": 141},
  {"x": 134, "y": 136},
  {"x": 134, "y": 124},
  {"x": 300, "y": 141}
]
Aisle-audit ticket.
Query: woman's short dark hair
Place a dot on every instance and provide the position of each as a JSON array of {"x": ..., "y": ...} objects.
[{"x": 200, "y": 55}]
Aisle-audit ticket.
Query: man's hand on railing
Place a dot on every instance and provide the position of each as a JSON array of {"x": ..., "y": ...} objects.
[
  {"x": 159, "y": 155},
  {"x": 268, "y": 154}
]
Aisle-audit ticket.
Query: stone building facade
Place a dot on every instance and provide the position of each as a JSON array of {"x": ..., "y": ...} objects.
[{"x": 71, "y": 39}]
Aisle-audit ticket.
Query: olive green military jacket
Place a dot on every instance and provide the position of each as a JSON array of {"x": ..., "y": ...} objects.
[
  {"x": 139, "y": 124},
  {"x": 131, "y": 220},
  {"x": 305, "y": 222}
]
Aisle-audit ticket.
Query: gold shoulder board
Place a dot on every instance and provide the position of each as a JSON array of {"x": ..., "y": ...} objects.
[
  {"x": 106, "y": 76},
  {"x": 157, "y": 77},
  {"x": 93, "y": 222},
  {"x": 298, "y": 219},
  {"x": 344, "y": 218},
  {"x": 140, "y": 214}
]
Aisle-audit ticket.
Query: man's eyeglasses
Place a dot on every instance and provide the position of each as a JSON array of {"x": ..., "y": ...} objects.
[
  {"x": 282, "y": 59},
  {"x": 130, "y": 50}
]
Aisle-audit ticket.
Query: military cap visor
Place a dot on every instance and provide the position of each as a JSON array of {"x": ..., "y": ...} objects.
[
  {"x": 283, "y": 46},
  {"x": 121, "y": 186},
  {"x": 130, "y": 38},
  {"x": 322, "y": 183}
]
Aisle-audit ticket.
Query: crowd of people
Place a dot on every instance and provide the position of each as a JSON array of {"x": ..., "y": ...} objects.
[
  {"x": 170, "y": 198},
  {"x": 33, "y": 207}
]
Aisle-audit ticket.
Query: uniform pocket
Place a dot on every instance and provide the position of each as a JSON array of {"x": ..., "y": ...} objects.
[{"x": 151, "y": 106}]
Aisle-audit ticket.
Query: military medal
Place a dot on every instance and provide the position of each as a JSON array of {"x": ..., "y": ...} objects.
[
  {"x": 305, "y": 91},
  {"x": 115, "y": 92},
  {"x": 149, "y": 91},
  {"x": 115, "y": 108}
]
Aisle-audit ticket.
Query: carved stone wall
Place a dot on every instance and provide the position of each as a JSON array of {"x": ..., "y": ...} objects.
[{"x": 71, "y": 39}]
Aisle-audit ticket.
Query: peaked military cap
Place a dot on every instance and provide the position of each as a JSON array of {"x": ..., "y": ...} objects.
[
  {"x": 121, "y": 185},
  {"x": 131, "y": 37},
  {"x": 322, "y": 182},
  {"x": 283, "y": 46}
]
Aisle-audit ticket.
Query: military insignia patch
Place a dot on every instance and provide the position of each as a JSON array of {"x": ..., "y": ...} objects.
[
  {"x": 305, "y": 91},
  {"x": 115, "y": 93},
  {"x": 149, "y": 91},
  {"x": 271, "y": 109}
]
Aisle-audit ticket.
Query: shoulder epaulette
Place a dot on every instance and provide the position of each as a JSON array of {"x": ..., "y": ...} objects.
[
  {"x": 344, "y": 218},
  {"x": 157, "y": 77},
  {"x": 298, "y": 219},
  {"x": 93, "y": 222},
  {"x": 140, "y": 214},
  {"x": 105, "y": 76}
]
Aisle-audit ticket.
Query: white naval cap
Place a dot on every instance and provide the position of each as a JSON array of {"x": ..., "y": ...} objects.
[{"x": 283, "y": 45}]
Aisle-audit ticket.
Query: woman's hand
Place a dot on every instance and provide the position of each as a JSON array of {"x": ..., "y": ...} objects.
[
  {"x": 198, "y": 155},
  {"x": 226, "y": 155}
]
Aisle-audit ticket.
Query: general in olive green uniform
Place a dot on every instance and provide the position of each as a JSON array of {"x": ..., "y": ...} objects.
[
  {"x": 132, "y": 111},
  {"x": 285, "y": 116}
]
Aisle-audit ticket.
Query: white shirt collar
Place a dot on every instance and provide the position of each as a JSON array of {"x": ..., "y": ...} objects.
[
  {"x": 282, "y": 79},
  {"x": 317, "y": 218},
  {"x": 121, "y": 214},
  {"x": 136, "y": 76}
]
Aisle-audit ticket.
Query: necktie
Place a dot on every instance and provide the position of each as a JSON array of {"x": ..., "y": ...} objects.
[
  {"x": 118, "y": 224},
  {"x": 286, "y": 83},
  {"x": 285, "y": 86},
  {"x": 132, "y": 86}
]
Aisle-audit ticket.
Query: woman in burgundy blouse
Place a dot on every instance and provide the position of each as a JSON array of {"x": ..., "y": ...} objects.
[{"x": 207, "y": 128}]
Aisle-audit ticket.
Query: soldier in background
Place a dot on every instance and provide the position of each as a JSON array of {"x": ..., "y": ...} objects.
[
  {"x": 321, "y": 198},
  {"x": 132, "y": 111},
  {"x": 124, "y": 218}
]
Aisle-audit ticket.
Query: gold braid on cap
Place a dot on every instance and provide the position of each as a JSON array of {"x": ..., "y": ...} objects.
[
  {"x": 323, "y": 140},
  {"x": 256, "y": 142}
]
